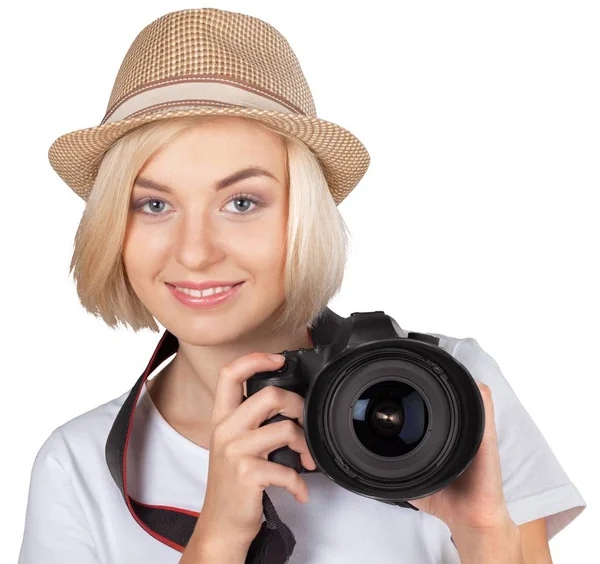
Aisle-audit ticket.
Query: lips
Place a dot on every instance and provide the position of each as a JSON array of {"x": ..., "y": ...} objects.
[
  {"x": 210, "y": 301},
  {"x": 203, "y": 285}
]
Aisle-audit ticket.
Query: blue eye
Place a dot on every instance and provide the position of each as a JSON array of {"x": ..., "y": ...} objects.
[
  {"x": 245, "y": 202},
  {"x": 142, "y": 203},
  {"x": 244, "y": 198}
]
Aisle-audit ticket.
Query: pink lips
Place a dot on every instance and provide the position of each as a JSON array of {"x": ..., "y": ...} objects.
[{"x": 205, "y": 302}]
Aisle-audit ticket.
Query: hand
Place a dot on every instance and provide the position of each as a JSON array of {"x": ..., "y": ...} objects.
[
  {"x": 239, "y": 469},
  {"x": 474, "y": 500}
]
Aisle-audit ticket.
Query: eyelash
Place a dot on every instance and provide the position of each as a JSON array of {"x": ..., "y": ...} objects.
[{"x": 241, "y": 196}]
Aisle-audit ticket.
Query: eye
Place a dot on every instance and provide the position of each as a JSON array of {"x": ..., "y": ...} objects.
[
  {"x": 243, "y": 202},
  {"x": 139, "y": 205}
]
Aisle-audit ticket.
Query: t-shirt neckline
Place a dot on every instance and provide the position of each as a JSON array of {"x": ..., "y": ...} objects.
[{"x": 166, "y": 429}]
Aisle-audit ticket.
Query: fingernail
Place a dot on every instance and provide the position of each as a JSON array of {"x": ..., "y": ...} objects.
[{"x": 276, "y": 357}]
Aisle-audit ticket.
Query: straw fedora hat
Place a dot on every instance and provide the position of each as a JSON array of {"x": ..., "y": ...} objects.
[{"x": 208, "y": 61}]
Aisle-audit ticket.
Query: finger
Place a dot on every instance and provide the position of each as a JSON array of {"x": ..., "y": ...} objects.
[
  {"x": 266, "y": 439},
  {"x": 267, "y": 403},
  {"x": 490, "y": 423},
  {"x": 229, "y": 390},
  {"x": 264, "y": 474},
  {"x": 488, "y": 455}
]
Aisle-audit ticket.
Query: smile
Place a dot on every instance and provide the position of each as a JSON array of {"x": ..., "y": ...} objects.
[{"x": 211, "y": 297}]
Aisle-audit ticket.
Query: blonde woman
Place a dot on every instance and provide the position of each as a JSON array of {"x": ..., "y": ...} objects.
[{"x": 211, "y": 192}]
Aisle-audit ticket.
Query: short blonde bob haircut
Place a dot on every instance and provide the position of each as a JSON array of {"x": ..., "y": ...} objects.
[{"x": 316, "y": 238}]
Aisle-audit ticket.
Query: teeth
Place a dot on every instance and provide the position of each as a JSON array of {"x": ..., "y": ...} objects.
[{"x": 204, "y": 293}]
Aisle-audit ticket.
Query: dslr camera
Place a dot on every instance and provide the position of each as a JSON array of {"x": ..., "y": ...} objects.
[{"x": 388, "y": 415}]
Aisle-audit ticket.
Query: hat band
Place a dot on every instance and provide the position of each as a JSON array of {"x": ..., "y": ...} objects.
[{"x": 206, "y": 91}]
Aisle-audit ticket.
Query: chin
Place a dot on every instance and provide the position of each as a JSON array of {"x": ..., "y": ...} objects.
[
  {"x": 217, "y": 328},
  {"x": 202, "y": 334}
]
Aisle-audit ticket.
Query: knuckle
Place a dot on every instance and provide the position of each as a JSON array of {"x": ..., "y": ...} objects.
[
  {"x": 226, "y": 372},
  {"x": 273, "y": 394},
  {"x": 290, "y": 428},
  {"x": 219, "y": 434},
  {"x": 291, "y": 475},
  {"x": 245, "y": 468},
  {"x": 230, "y": 451}
]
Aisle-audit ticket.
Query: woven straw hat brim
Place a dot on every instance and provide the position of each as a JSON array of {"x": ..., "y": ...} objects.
[{"x": 76, "y": 156}]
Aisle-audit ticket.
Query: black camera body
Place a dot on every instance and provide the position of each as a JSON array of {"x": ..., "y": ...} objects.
[{"x": 388, "y": 415}]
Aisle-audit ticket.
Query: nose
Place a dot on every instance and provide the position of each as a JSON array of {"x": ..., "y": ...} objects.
[{"x": 196, "y": 245}]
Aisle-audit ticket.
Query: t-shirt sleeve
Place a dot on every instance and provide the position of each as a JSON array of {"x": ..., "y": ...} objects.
[
  {"x": 56, "y": 530},
  {"x": 535, "y": 484}
]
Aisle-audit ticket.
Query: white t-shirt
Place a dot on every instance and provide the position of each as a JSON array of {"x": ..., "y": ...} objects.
[{"x": 76, "y": 514}]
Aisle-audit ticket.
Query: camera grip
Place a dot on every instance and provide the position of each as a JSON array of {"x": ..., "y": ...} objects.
[{"x": 285, "y": 455}]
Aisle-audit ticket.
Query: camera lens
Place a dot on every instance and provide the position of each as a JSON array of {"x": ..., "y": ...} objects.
[{"x": 390, "y": 418}]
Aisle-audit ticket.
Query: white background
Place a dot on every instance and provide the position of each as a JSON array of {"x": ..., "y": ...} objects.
[{"x": 478, "y": 216}]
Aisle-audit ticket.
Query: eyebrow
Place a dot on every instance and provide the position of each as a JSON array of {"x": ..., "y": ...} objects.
[{"x": 242, "y": 174}]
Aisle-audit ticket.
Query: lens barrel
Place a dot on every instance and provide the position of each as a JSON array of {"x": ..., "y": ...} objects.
[{"x": 394, "y": 420}]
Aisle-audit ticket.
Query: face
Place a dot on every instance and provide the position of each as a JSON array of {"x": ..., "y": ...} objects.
[{"x": 199, "y": 231}]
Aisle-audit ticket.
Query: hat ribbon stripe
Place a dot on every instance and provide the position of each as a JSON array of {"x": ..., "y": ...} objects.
[{"x": 182, "y": 91}]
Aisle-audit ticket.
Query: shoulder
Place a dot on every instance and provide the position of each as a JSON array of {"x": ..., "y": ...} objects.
[
  {"x": 463, "y": 346},
  {"x": 481, "y": 365},
  {"x": 80, "y": 440},
  {"x": 68, "y": 486},
  {"x": 447, "y": 342},
  {"x": 477, "y": 360},
  {"x": 466, "y": 350}
]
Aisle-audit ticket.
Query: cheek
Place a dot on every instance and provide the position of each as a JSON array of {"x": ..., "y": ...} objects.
[
  {"x": 142, "y": 251},
  {"x": 264, "y": 247},
  {"x": 260, "y": 256}
]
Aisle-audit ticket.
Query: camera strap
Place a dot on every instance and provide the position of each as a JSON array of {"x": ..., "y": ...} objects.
[{"x": 173, "y": 526}]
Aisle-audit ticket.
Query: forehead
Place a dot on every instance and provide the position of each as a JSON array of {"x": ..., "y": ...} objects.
[
  {"x": 216, "y": 148},
  {"x": 223, "y": 140}
]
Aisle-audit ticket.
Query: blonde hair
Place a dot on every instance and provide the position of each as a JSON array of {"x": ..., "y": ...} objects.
[{"x": 316, "y": 238}]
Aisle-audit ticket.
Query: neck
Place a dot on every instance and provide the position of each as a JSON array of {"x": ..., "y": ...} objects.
[{"x": 184, "y": 390}]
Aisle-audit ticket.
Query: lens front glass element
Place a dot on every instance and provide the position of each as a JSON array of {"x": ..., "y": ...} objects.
[{"x": 390, "y": 418}]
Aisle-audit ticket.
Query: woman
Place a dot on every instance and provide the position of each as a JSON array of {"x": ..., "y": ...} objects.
[{"x": 211, "y": 170}]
